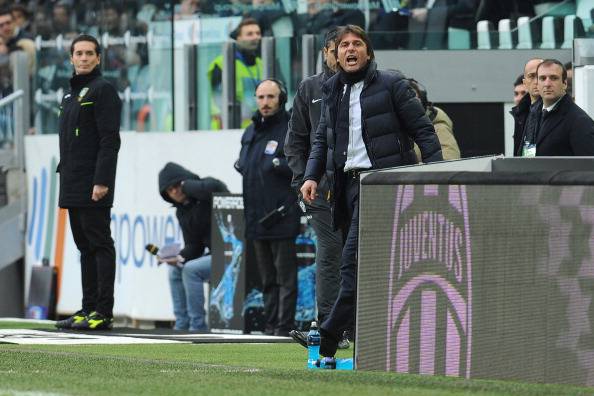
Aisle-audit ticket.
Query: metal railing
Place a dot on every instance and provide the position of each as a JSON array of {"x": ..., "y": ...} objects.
[{"x": 11, "y": 129}]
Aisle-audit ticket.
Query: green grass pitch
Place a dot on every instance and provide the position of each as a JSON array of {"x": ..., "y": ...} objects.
[{"x": 217, "y": 370}]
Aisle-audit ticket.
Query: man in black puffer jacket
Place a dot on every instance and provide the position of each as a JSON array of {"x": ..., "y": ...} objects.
[
  {"x": 192, "y": 198},
  {"x": 370, "y": 120},
  {"x": 271, "y": 215},
  {"x": 89, "y": 144}
]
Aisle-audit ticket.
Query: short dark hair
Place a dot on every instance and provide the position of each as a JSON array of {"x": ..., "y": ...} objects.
[
  {"x": 551, "y": 62},
  {"x": 357, "y": 31},
  {"x": 5, "y": 11},
  {"x": 244, "y": 22},
  {"x": 85, "y": 37},
  {"x": 519, "y": 80},
  {"x": 568, "y": 65},
  {"x": 22, "y": 9},
  {"x": 330, "y": 36}
]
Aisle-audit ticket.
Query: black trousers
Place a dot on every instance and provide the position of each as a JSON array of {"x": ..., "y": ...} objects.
[
  {"x": 342, "y": 316},
  {"x": 92, "y": 235},
  {"x": 328, "y": 253},
  {"x": 277, "y": 263}
]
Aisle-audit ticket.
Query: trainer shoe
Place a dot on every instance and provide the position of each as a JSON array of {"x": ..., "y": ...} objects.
[
  {"x": 344, "y": 343},
  {"x": 67, "y": 323},
  {"x": 95, "y": 321},
  {"x": 299, "y": 336}
]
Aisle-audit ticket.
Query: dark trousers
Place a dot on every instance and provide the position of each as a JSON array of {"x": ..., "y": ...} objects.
[
  {"x": 342, "y": 316},
  {"x": 328, "y": 253},
  {"x": 92, "y": 235},
  {"x": 277, "y": 263}
]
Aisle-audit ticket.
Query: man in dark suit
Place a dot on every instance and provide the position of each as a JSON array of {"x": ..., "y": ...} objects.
[
  {"x": 565, "y": 129},
  {"x": 89, "y": 144},
  {"x": 369, "y": 120}
]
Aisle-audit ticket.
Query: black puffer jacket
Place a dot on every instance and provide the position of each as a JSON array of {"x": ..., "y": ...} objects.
[
  {"x": 194, "y": 215},
  {"x": 392, "y": 119},
  {"x": 89, "y": 140},
  {"x": 267, "y": 187}
]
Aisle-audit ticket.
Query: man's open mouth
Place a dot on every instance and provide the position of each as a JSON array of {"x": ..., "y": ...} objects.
[{"x": 351, "y": 60}]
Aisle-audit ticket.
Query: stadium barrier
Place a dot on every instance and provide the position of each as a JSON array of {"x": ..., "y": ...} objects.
[{"x": 479, "y": 268}]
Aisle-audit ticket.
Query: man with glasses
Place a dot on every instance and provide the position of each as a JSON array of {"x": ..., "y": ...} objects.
[{"x": 525, "y": 113}]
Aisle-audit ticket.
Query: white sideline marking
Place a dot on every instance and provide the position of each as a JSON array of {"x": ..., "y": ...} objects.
[
  {"x": 21, "y": 320},
  {"x": 37, "y": 337},
  {"x": 12, "y": 392},
  {"x": 212, "y": 336}
]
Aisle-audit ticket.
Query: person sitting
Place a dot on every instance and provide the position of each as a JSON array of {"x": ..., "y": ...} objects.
[{"x": 192, "y": 198}]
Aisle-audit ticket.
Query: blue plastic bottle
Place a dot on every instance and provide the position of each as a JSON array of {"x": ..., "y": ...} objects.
[{"x": 313, "y": 345}]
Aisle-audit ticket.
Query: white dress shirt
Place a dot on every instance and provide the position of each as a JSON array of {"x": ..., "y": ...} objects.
[{"x": 357, "y": 157}]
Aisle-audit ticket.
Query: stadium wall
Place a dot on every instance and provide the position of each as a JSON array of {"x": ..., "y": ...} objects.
[{"x": 139, "y": 215}]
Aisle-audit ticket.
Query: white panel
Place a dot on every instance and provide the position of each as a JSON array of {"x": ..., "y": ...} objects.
[{"x": 142, "y": 288}]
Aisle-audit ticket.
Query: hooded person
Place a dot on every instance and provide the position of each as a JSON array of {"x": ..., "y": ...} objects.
[{"x": 192, "y": 198}]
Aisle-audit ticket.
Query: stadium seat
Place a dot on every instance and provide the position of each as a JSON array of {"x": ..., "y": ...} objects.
[
  {"x": 551, "y": 31},
  {"x": 483, "y": 31},
  {"x": 505, "y": 34},
  {"x": 584, "y": 10},
  {"x": 282, "y": 27},
  {"x": 458, "y": 38},
  {"x": 572, "y": 28},
  {"x": 524, "y": 33},
  {"x": 460, "y": 31}
]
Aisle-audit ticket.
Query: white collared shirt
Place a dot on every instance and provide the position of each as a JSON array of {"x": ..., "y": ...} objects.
[
  {"x": 357, "y": 157},
  {"x": 551, "y": 107}
]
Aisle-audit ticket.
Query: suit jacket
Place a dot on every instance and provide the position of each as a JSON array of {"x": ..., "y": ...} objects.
[{"x": 566, "y": 130}]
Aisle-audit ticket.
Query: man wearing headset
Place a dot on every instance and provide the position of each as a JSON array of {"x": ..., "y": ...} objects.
[{"x": 271, "y": 215}]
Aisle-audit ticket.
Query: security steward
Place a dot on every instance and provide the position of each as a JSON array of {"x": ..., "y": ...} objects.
[
  {"x": 270, "y": 206},
  {"x": 89, "y": 144}
]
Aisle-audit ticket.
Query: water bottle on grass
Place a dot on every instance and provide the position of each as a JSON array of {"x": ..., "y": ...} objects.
[{"x": 313, "y": 345}]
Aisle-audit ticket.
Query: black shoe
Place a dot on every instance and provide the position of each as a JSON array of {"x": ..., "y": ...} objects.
[
  {"x": 300, "y": 337},
  {"x": 95, "y": 321},
  {"x": 67, "y": 323},
  {"x": 328, "y": 343}
]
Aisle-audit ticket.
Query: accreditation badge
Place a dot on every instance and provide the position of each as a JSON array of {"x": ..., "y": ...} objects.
[
  {"x": 271, "y": 147},
  {"x": 529, "y": 150}
]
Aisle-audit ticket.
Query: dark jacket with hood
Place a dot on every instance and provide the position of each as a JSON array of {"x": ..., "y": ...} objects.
[
  {"x": 267, "y": 187},
  {"x": 89, "y": 140},
  {"x": 520, "y": 114},
  {"x": 305, "y": 116},
  {"x": 391, "y": 119},
  {"x": 193, "y": 215}
]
